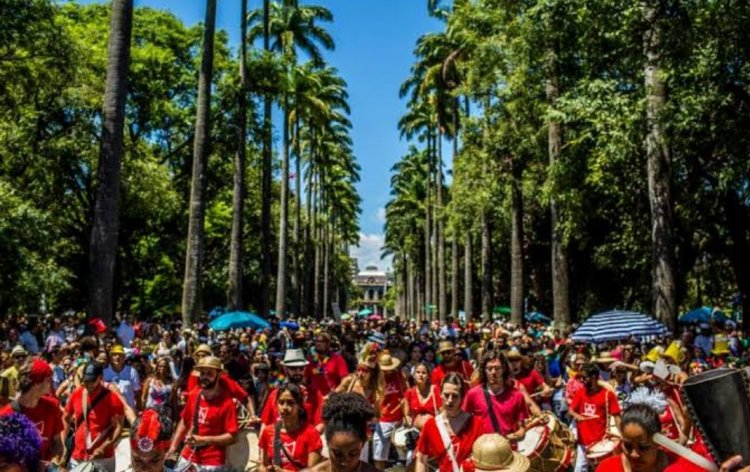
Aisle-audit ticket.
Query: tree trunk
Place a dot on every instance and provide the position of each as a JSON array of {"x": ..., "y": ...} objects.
[
  {"x": 326, "y": 273},
  {"x": 283, "y": 219},
  {"x": 234, "y": 293},
  {"x": 559, "y": 253},
  {"x": 516, "y": 252},
  {"x": 427, "y": 249},
  {"x": 442, "y": 289},
  {"x": 266, "y": 181},
  {"x": 298, "y": 247},
  {"x": 486, "y": 267},
  {"x": 468, "y": 279},
  {"x": 194, "y": 256},
  {"x": 106, "y": 226},
  {"x": 659, "y": 176}
]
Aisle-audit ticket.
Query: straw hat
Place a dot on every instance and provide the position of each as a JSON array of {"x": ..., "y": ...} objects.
[
  {"x": 204, "y": 348},
  {"x": 294, "y": 358},
  {"x": 209, "y": 362},
  {"x": 444, "y": 346},
  {"x": 605, "y": 357},
  {"x": 388, "y": 362},
  {"x": 492, "y": 452},
  {"x": 18, "y": 350},
  {"x": 117, "y": 349},
  {"x": 513, "y": 355},
  {"x": 721, "y": 345}
]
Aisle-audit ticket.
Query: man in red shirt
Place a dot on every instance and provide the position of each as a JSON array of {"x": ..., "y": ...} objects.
[
  {"x": 506, "y": 403},
  {"x": 208, "y": 423},
  {"x": 325, "y": 369},
  {"x": 591, "y": 408},
  {"x": 294, "y": 364},
  {"x": 96, "y": 414},
  {"x": 450, "y": 363},
  {"x": 391, "y": 408},
  {"x": 34, "y": 383}
]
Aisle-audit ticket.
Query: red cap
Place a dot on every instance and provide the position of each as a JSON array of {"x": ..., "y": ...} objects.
[{"x": 39, "y": 371}]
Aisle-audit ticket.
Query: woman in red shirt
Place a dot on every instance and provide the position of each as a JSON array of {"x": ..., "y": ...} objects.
[
  {"x": 447, "y": 439},
  {"x": 422, "y": 401},
  {"x": 299, "y": 444}
]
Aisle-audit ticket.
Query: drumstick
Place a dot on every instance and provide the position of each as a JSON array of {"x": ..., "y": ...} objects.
[
  {"x": 588, "y": 418},
  {"x": 682, "y": 451}
]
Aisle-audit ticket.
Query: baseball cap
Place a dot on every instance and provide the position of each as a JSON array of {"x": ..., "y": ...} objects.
[{"x": 91, "y": 372}]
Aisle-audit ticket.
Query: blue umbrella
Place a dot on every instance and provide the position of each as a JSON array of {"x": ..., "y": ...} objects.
[
  {"x": 237, "y": 320},
  {"x": 536, "y": 317},
  {"x": 365, "y": 312},
  {"x": 290, "y": 325},
  {"x": 216, "y": 312},
  {"x": 702, "y": 315},
  {"x": 615, "y": 325}
]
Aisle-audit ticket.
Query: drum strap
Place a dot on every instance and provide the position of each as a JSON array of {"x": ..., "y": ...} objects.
[
  {"x": 196, "y": 410},
  {"x": 279, "y": 448},
  {"x": 447, "y": 443},
  {"x": 491, "y": 410}
]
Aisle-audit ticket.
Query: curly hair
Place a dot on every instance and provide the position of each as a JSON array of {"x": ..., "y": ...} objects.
[
  {"x": 347, "y": 413},
  {"x": 20, "y": 441},
  {"x": 489, "y": 356}
]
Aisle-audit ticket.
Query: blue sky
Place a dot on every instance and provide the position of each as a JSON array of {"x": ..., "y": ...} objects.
[{"x": 374, "y": 44}]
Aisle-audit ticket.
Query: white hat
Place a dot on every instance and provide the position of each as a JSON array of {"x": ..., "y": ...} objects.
[
  {"x": 18, "y": 349},
  {"x": 294, "y": 358}
]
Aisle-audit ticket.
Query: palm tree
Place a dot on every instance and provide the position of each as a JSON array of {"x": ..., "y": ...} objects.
[
  {"x": 234, "y": 292},
  {"x": 103, "y": 247},
  {"x": 195, "y": 239}
]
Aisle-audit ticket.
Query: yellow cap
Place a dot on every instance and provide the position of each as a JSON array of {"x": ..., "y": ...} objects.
[
  {"x": 675, "y": 352},
  {"x": 654, "y": 354},
  {"x": 117, "y": 349}
]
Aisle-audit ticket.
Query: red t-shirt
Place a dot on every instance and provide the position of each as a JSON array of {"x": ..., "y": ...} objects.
[
  {"x": 674, "y": 464},
  {"x": 434, "y": 402},
  {"x": 431, "y": 444},
  {"x": 313, "y": 407},
  {"x": 47, "y": 416},
  {"x": 227, "y": 384},
  {"x": 531, "y": 381},
  {"x": 99, "y": 420},
  {"x": 509, "y": 407},
  {"x": 391, "y": 409},
  {"x": 463, "y": 368},
  {"x": 298, "y": 445},
  {"x": 215, "y": 417},
  {"x": 326, "y": 374},
  {"x": 591, "y": 431}
]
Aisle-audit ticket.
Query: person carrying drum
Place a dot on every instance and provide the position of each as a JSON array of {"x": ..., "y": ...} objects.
[
  {"x": 34, "y": 401},
  {"x": 496, "y": 401},
  {"x": 208, "y": 423},
  {"x": 150, "y": 437},
  {"x": 450, "y": 363},
  {"x": 325, "y": 368},
  {"x": 591, "y": 408},
  {"x": 294, "y": 364},
  {"x": 96, "y": 415}
]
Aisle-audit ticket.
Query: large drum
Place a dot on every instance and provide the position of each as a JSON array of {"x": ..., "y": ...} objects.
[
  {"x": 400, "y": 438},
  {"x": 601, "y": 450},
  {"x": 546, "y": 446}
]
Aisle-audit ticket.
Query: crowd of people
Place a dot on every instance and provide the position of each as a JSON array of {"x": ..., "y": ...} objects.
[{"x": 349, "y": 396}]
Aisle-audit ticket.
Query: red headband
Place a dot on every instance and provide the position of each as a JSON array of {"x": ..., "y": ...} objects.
[{"x": 39, "y": 371}]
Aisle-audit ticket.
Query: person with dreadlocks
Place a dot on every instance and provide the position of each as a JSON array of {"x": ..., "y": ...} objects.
[
  {"x": 150, "y": 437},
  {"x": 19, "y": 444},
  {"x": 347, "y": 417}
]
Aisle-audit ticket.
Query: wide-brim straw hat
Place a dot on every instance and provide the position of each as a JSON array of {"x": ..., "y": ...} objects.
[
  {"x": 387, "y": 362},
  {"x": 513, "y": 354},
  {"x": 492, "y": 452},
  {"x": 210, "y": 362},
  {"x": 605, "y": 357},
  {"x": 205, "y": 348},
  {"x": 444, "y": 346}
]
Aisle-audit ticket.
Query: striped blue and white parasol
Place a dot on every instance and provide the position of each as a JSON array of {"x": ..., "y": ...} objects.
[{"x": 615, "y": 325}]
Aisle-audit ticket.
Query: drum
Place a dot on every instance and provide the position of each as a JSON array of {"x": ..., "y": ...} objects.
[
  {"x": 601, "y": 450},
  {"x": 546, "y": 451},
  {"x": 561, "y": 431},
  {"x": 243, "y": 416},
  {"x": 400, "y": 436},
  {"x": 88, "y": 466}
]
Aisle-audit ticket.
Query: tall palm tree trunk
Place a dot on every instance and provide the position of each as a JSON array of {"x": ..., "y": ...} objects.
[
  {"x": 427, "y": 247},
  {"x": 194, "y": 255},
  {"x": 283, "y": 218},
  {"x": 298, "y": 247},
  {"x": 454, "y": 240},
  {"x": 234, "y": 292},
  {"x": 326, "y": 272},
  {"x": 559, "y": 253},
  {"x": 516, "y": 252},
  {"x": 106, "y": 227},
  {"x": 659, "y": 170},
  {"x": 442, "y": 292},
  {"x": 468, "y": 278},
  {"x": 266, "y": 180},
  {"x": 486, "y": 266}
]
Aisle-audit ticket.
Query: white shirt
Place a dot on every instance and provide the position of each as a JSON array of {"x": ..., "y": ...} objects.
[{"x": 127, "y": 381}]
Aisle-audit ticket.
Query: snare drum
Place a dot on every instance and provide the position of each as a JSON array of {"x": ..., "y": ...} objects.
[
  {"x": 546, "y": 452},
  {"x": 399, "y": 438},
  {"x": 601, "y": 450}
]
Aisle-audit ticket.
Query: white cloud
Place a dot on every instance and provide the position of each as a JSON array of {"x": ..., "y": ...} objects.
[
  {"x": 380, "y": 215},
  {"x": 369, "y": 250}
]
